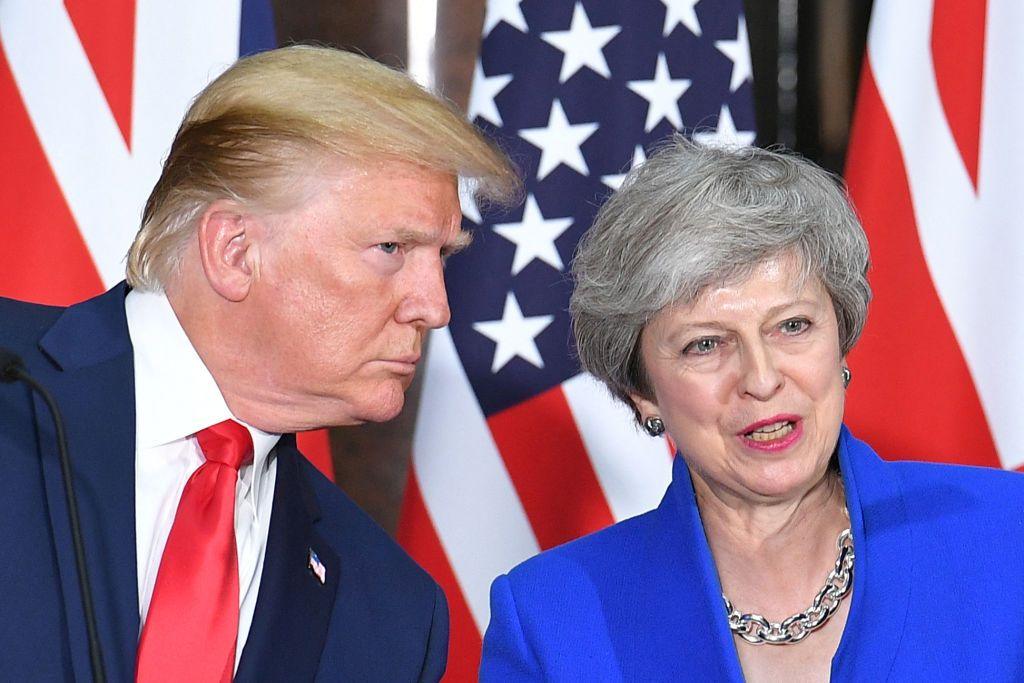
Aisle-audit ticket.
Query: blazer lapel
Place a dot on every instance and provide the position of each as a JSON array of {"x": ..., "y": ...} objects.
[
  {"x": 882, "y": 569},
  {"x": 94, "y": 387},
  {"x": 684, "y": 622},
  {"x": 293, "y": 610}
]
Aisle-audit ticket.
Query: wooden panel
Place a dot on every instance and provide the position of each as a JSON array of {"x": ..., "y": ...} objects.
[{"x": 374, "y": 27}]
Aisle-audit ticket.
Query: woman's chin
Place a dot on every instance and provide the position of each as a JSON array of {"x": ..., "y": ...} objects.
[{"x": 780, "y": 481}]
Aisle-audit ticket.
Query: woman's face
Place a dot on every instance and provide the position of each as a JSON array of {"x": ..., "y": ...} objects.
[{"x": 748, "y": 382}]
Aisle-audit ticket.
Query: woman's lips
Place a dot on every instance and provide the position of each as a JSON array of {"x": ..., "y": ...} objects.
[{"x": 773, "y": 434}]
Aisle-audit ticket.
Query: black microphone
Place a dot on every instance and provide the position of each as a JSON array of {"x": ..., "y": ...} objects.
[{"x": 12, "y": 369}]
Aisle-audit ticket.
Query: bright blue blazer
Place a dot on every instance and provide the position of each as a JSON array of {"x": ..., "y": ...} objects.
[
  {"x": 938, "y": 587},
  {"x": 378, "y": 617}
]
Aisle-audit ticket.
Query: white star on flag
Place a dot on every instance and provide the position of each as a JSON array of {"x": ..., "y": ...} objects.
[
  {"x": 739, "y": 52},
  {"x": 582, "y": 45},
  {"x": 615, "y": 181},
  {"x": 481, "y": 97},
  {"x": 504, "y": 10},
  {"x": 534, "y": 237},
  {"x": 681, "y": 12},
  {"x": 514, "y": 335},
  {"x": 559, "y": 142},
  {"x": 662, "y": 95},
  {"x": 726, "y": 134}
]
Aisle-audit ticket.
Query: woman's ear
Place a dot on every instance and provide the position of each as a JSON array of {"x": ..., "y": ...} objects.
[
  {"x": 228, "y": 249},
  {"x": 644, "y": 406}
]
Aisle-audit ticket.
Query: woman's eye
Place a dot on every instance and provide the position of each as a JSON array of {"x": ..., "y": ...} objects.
[
  {"x": 388, "y": 247},
  {"x": 701, "y": 347},
  {"x": 795, "y": 325}
]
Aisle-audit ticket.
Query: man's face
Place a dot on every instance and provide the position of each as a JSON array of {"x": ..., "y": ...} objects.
[{"x": 347, "y": 286}]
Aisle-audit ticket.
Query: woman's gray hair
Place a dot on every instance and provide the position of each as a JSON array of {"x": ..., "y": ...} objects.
[{"x": 694, "y": 216}]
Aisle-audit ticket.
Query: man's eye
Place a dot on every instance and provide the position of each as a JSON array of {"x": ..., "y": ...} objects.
[
  {"x": 795, "y": 325},
  {"x": 388, "y": 247},
  {"x": 701, "y": 347}
]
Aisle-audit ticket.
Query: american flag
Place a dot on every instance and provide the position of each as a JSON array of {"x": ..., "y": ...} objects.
[
  {"x": 317, "y": 567},
  {"x": 516, "y": 450},
  {"x": 91, "y": 94},
  {"x": 936, "y": 167}
]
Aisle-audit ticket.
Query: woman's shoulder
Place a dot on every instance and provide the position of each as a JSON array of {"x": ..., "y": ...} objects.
[
  {"x": 966, "y": 476},
  {"x": 987, "y": 483},
  {"x": 944, "y": 492},
  {"x": 622, "y": 544},
  {"x": 962, "y": 498}
]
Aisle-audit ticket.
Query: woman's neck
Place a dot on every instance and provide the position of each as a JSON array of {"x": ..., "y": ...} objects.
[{"x": 773, "y": 556}]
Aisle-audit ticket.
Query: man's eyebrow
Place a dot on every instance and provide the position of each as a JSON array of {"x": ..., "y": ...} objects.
[
  {"x": 461, "y": 240},
  {"x": 411, "y": 236}
]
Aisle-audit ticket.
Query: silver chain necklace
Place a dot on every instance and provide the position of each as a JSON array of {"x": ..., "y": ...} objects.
[{"x": 757, "y": 630}]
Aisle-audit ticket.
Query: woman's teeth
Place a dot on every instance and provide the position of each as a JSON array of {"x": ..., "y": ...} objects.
[{"x": 776, "y": 430}]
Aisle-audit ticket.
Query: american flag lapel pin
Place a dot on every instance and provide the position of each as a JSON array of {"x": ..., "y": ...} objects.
[{"x": 317, "y": 567}]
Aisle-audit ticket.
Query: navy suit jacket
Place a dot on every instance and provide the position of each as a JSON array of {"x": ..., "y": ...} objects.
[
  {"x": 938, "y": 587},
  {"x": 379, "y": 617}
]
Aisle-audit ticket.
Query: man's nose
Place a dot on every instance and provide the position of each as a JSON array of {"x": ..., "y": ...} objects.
[{"x": 426, "y": 298}]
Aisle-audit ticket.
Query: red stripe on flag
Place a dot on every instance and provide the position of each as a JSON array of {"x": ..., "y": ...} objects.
[
  {"x": 958, "y": 53},
  {"x": 43, "y": 257},
  {"x": 316, "y": 446},
  {"x": 417, "y": 535},
  {"x": 912, "y": 395},
  {"x": 107, "y": 32},
  {"x": 550, "y": 468}
]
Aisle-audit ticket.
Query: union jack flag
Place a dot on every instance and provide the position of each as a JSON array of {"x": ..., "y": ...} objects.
[
  {"x": 515, "y": 449},
  {"x": 935, "y": 169}
]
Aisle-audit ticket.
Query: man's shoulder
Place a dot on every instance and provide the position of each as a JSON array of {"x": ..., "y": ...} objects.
[
  {"x": 24, "y": 323},
  {"x": 362, "y": 544}
]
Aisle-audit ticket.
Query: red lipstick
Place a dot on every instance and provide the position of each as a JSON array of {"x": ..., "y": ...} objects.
[{"x": 789, "y": 433}]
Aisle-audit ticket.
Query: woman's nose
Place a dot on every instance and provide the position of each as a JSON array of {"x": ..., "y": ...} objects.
[{"x": 760, "y": 377}]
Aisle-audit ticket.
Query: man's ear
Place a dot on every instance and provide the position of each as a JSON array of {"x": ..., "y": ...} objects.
[{"x": 228, "y": 249}]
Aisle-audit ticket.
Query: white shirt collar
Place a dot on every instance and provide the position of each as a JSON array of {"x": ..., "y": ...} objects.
[{"x": 175, "y": 394}]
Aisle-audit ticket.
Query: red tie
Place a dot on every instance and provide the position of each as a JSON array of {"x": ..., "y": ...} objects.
[{"x": 192, "y": 626}]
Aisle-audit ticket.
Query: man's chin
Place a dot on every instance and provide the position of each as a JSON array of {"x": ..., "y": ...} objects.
[
  {"x": 379, "y": 402},
  {"x": 383, "y": 410}
]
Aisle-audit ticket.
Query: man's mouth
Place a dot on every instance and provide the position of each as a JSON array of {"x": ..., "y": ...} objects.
[{"x": 408, "y": 359}]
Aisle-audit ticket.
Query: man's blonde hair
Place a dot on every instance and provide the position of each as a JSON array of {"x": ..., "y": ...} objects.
[{"x": 270, "y": 116}]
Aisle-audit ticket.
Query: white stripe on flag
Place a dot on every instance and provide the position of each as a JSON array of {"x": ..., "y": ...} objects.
[
  {"x": 1001, "y": 224},
  {"x": 968, "y": 239},
  {"x": 181, "y": 47},
  {"x": 632, "y": 468},
  {"x": 466, "y": 489}
]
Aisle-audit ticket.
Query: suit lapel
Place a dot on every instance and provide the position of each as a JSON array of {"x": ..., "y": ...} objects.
[
  {"x": 94, "y": 387},
  {"x": 293, "y": 610}
]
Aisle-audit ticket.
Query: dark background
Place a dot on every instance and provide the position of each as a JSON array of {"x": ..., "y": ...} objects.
[{"x": 806, "y": 58}]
